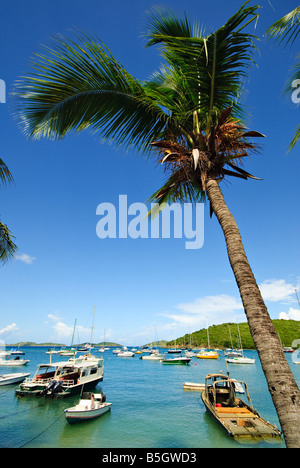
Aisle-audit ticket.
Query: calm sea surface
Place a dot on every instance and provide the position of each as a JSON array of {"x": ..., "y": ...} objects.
[{"x": 149, "y": 409}]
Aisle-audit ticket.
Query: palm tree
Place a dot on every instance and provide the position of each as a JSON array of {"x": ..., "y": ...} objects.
[
  {"x": 286, "y": 30},
  {"x": 7, "y": 246},
  {"x": 189, "y": 115}
]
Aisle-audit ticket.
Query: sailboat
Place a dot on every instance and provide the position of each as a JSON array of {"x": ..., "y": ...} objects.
[
  {"x": 207, "y": 354},
  {"x": 239, "y": 359},
  {"x": 174, "y": 350},
  {"x": 69, "y": 351}
]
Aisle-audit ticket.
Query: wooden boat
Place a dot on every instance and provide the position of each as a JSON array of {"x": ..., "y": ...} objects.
[
  {"x": 90, "y": 406},
  {"x": 238, "y": 418},
  {"x": 8, "y": 379},
  {"x": 176, "y": 360},
  {"x": 64, "y": 378}
]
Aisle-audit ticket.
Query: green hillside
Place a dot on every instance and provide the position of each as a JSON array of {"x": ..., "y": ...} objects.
[{"x": 219, "y": 335}]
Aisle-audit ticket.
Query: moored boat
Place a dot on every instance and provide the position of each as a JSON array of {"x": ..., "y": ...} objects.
[
  {"x": 153, "y": 356},
  {"x": 14, "y": 362},
  {"x": 65, "y": 378},
  {"x": 194, "y": 386},
  {"x": 125, "y": 352},
  {"x": 240, "y": 360},
  {"x": 90, "y": 406},
  {"x": 238, "y": 418},
  {"x": 208, "y": 355},
  {"x": 176, "y": 360},
  {"x": 8, "y": 379}
]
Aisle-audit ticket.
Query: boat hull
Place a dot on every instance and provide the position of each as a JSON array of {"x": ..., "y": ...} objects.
[
  {"x": 240, "y": 360},
  {"x": 180, "y": 361},
  {"x": 14, "y": 363},
  {"x": 207, "y": 356},
  {"x": 74, "y": 415},
  {"x": 9, "y": 379},
  {"x": 36, "y": 390}
]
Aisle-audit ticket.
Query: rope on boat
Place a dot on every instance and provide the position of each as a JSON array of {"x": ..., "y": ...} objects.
[{"x": 42, "y": 432}]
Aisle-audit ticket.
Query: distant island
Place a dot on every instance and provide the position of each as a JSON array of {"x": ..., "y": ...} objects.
[
  {"x": 221, "y": 336},
  {"x": 60, "y": 345},
  {"x": 227, "y": 335}
]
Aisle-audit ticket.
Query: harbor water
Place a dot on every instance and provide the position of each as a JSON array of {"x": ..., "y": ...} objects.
[{"x": 150, "y": 408}]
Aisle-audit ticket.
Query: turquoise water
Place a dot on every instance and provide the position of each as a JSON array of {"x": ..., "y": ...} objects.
[{"x": 150, "y": 409}]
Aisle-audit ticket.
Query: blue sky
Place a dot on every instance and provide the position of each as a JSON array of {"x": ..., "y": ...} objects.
[{"x": 63, "y": 269}]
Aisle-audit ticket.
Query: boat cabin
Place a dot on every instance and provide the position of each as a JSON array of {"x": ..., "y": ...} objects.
[{"x": 220, "y": 391}]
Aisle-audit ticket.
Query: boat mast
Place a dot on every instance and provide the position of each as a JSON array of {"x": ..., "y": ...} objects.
[
  {"x": 92, "y": 328},
  {"x": 297, "y": 296},
  {"x": 73, "y": 332}
]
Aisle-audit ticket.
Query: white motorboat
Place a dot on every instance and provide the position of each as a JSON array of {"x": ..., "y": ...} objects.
[
  {"x": 240, "y": 360},
  {"x": 8, "y": 379},
  {"x": 65, "y": 378},
  {"x": 52, "y": 351},
  {"x": 116, "y": 351},
  {"x": 90, "y": 406},
  {"x": 13, "y": 362},
  {"x": 190, "y": 354},
  {"x": 68, "y": 352},
  {"x": 153, "y": 356},
  {"x": 125, "y": 352},
  {"x": 176, "y": 360}
]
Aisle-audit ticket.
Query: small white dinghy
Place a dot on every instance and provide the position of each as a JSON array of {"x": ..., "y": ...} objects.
[
  {"x": 8, "y": 379},
  {"x": 90, "y": 406}
]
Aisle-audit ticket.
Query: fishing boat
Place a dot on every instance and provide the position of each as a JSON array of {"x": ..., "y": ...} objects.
[
  {"x": 238, "y": 418},
  {"x": 65, "y": 378},
  {"x": 14, "y": 362},
  {"x": 90, "y": 406},
  {"x": 8, "y": 379},
  {"x": 176, "y": 360}
]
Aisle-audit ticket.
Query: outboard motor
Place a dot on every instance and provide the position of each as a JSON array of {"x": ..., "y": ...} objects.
[
  {"x": 57, "y": 387},
  {"x": 48, "y": 389}
]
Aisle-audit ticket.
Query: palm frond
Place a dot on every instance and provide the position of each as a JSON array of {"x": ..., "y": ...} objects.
[
  {"x": 286, "y": 28},
  {"x": 213, "y": 66},
  {"x": 5, "y": 174},
  {"x": 7, "y": 247},
  {"x": 78, "y": 85}
]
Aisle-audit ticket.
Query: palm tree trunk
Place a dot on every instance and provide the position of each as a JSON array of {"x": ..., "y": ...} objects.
[{"x": 281, "y": 382}]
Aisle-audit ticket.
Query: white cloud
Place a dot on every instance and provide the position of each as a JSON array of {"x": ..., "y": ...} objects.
[
  {"x": 25, "y": 258},
  {"x": 206, "y": 311},
  {"x": 53, "y": 318},
  {"x": 292, "y": 314},
  {"x": 9, "y": 328},
  {"x": 277, "y": 290}
]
